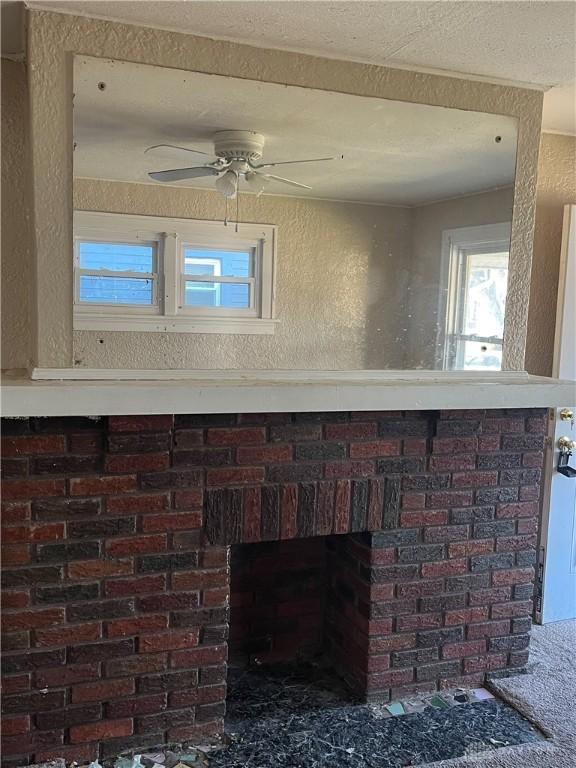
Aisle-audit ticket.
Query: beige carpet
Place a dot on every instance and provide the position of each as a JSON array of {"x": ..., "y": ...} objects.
[{"x": 547, "y": 696}]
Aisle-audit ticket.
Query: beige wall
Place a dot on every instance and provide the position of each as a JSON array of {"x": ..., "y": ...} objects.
[
  {"x": 17, "y": 222},
  {"x": 338, "y": 278},
  {"x": 54, "y": 38},
  {"x": 556, "y": 188},
  {"x": 429, "y": 223}
]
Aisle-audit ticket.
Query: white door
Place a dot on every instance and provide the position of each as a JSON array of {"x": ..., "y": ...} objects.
[{"x": 556, "y": 594}]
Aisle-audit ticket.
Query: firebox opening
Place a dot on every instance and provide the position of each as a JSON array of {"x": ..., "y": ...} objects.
[{"x": 284, "y": 602}]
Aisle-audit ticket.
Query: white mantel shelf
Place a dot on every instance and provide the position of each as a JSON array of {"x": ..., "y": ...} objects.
[{"x": 92, "y": 392}]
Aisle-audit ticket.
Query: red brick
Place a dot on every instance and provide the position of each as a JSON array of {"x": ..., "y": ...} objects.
[
  {"x": 390, "y": 643},
  {"x": 342, "y": 507},
  {"x": 213, "y": 557},
  {"x": 137, "y": 545},
  {"x": 148, "y": 502},
  {"x": 64, "y": 676},
  {"x": 473, "y": 547},
  {"x": 423, "y": 517},
  {"x": 140, "y": 423},
  {"x": 458, "y": 445},
  {"x": 526, "y": 525},
  {"x": 467, "y": 648},
  {"x": 474, "y": 479},
  {"x": 376, "y": 663},
  {"x": 136, "y": 626},
  {"x": 94, "y": 486},
  {"x": 172, "y": 521},
  {"x": 485, "y": 663},
  {"x": 252, "y": 512},
  {"x": 107, "y": 729},
  {"x": 356, "y": 431},
  {"x": 17, "y": 554},
  {"x": 444, "y": 568},
  {"x": 216, "y": 598},
  {"x": 168, "y": 641},
  {"x": 198, "y": 657},
  {"x": 33, "y": 619},
  {"x": 191, "y": 580},
  {"x": 375, "y": 448},
  {"x": 519, "y": 509},
  {"x": 465, "y": 616},
  {"x": 237, "y": 436},
  {"x": 415, "y": 446},
  {"x": 420, "y": 588},
  {"x": 31, "y": 445},
  {"x": 208, "y": 695},
  {"x": 513, "y": 576},
  {"x": 143, "y": 705},
  {"x": 83, "y": 753},
  {"x": 498, "y": 426},
  {"x": 516, "y": 543},
  {"x": 419, "y": 621},
  {"x": 488, "y": 629},
  {"x": 15, "y": 684},
  {"x": 197, "y": 733},
  {"x": 140, "y": 462},
  {"x": 488, "y": 443},
  {"x": 138, "y": 586},
  {"x": 11, "y": 726},
  {"x": 377, "y": 680},
  {"x": 511, "y": 610},
  {"x": 234, "y": 475},
  {"x": 191, "y": 498},
  {"x": 452, "y": 463},
  {"x": 537, "y": 425},
  {"x": 99, "y": 569},
  {"x": 534, "y": 459},
  {"x": 13, "y": 490},
  {"x": 449, "y": 499},
  {"x": 529, "y": 493},
  {"x": 41, "y": 532},
  {"x": 487, "y": 596},
  {"x": 288, "y": 512},
  {"x": 103, "y": 690},
  {"x": 272, "y": 453},
  {"x": 85, "y": 443},
  {"x": 15, "y": 513},
  {"x": 413, "y": 501},
  {"x": 61, "y": 635},
  {"x": 15, "y": 599}
]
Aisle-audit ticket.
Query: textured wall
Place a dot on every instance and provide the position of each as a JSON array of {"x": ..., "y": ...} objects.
[
  {"x": 54, "y": 37},
  {"x": 428, "y": 224},
  {"x": 556, "y": 188},
  {"x": 341, "y": 268},
  {"x": 17, "y": 222}
]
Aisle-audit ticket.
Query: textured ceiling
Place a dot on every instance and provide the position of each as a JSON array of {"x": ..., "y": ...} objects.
[
  {"x": 530, "y": 41},
  {"x": 393, "y": 152}
]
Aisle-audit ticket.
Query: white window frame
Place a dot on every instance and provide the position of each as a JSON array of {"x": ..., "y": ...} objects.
[
  {"x": 490, "y": 238},
  {"x": 170, "y": 236}
]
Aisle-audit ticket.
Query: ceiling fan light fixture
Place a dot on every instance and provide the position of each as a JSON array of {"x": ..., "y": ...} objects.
[{"x": 227, "y": 184}]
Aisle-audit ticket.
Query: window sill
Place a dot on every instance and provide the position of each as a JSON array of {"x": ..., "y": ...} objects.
[{"x": 158, "y": 324}]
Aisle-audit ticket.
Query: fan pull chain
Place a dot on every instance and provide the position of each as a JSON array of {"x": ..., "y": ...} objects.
[
  {"x": 237, "y": 205},
  {"x": 226, "y": 212}
]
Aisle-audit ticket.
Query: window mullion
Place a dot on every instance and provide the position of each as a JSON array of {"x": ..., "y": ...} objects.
[{"x": 171, "y": 254}]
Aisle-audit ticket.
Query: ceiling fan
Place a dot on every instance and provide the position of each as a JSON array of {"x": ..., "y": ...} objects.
[{"x": 238, "y": 155}]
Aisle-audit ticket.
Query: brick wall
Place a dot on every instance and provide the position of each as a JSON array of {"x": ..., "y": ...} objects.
[{"x": 116, "y": 537}]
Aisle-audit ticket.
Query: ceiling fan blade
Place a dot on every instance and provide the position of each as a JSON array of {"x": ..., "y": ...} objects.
[
  {"x": 285, "y": 181},
  {"x": 293, "y": 162},
  {"x": 181, "y": 174},
  {"x": 174, "y": 146}
]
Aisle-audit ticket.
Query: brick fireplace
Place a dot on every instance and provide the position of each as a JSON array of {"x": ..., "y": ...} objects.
[{"x": 403, "y": 543}]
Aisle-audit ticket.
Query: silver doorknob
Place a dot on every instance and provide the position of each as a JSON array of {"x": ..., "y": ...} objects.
[{"x": 566, "y": 444}]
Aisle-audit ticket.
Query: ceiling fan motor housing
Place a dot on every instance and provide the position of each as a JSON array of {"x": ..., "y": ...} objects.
[{"x": 244, "y": 145}]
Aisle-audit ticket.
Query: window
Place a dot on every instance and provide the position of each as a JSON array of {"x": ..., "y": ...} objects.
[
  {"x": 476, "y": 278},
  {"x": 148, "y": 273}
]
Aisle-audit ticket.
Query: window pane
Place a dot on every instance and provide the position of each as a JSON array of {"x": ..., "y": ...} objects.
[
  {"x": 115, "y": 290},
  {"x": 209, "y": 261},
  {"x": 485, "y": 294},
  {"x": 120, "y": 257},
  {"x": 227, "y": 295},
  {"x": 478, "y": 356}
]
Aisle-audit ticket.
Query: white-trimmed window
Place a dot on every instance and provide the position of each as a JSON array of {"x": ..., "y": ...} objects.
[
  {"x": 146, "y": 273},
  {"x": 473, "y": 297}
]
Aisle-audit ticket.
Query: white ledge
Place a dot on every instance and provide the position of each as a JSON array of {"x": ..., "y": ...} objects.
[{"x": 91, "y": 392}]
